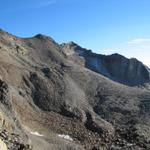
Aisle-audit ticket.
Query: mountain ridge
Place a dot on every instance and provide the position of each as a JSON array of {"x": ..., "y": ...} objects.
[
  {"x": 102, "y": 63},
  {"x": 47, "y": 92}
]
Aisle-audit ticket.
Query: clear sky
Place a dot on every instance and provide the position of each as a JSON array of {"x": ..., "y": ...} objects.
[{"x": 105, "y": 26}]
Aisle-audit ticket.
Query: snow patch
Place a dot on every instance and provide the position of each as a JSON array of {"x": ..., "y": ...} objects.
[
  {"x": 36, "y": 133},
  {"x": 97, "y": 64},
  {"x": 130, "y": 144},
  {"x": 67, "y": 137}
]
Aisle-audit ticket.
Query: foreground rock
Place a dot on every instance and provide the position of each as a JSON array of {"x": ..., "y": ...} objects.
[
  {"x": 3, "y": 145},
  {"x": 12, "y": 141}
]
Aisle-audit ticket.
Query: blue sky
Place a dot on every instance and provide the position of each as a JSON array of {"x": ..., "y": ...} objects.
[{"x": 105, "y": 26}]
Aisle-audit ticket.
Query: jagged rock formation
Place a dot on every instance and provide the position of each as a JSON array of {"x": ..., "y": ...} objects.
[{"x": 48, "y": 90}]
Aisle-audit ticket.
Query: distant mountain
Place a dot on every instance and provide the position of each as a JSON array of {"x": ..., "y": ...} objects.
[
  {"x": 65, "y": 97},
  {"x": 116, "y": 67}
]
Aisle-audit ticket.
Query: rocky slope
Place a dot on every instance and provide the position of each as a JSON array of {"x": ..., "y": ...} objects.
[{"x": 65, "y": 97}]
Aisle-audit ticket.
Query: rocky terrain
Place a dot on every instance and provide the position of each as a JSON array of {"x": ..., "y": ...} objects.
[{"x": 65, "y": 97}]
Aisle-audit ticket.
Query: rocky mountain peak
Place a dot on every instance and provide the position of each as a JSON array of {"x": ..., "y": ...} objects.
[
  {"x": 116, "y": 67},
  {"x": 43, "y": 37}
]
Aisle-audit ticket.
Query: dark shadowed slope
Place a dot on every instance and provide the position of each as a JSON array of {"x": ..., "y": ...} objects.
[{"x": 116, "y": 67}]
